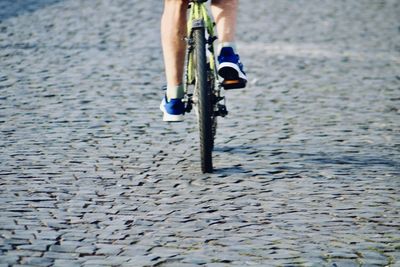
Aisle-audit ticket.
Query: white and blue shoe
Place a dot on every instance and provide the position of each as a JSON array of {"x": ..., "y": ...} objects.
[
  {"x": 231, "y": 69},
  {"x": 173, "y": 109}
]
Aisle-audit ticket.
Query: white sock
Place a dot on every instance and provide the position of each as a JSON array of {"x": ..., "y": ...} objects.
[{"x": 174, "y": 92}]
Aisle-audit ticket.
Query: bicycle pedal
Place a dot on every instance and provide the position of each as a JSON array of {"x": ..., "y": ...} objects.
[{"x": 233, "y": 84}]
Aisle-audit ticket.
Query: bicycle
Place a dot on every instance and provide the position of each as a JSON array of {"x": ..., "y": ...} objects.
[{"x": 201, "y": 73}]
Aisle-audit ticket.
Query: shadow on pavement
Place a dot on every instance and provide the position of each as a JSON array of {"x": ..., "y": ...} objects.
[
  {"x": 343, "y": 159},
  {"x": 13, "y": 8},
  {"x": 242, "y": 149},
  {"x": 230, "y": 170}
]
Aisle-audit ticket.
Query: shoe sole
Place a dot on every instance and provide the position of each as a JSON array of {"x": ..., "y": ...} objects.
[
  {"x": 169, "y": 117},
  {"x": 233, "y": 77},
  {"x": 230, "y": 71}
]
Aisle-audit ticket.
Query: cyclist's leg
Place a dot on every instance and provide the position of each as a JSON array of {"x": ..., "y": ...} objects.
[
  {"x": 173, "y": 31},
  {"x": 225, "y": 13},
  {"x": 229, "y": 68}
]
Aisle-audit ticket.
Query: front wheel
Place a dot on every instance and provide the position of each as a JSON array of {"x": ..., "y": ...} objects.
[{"x": 204, "y": 105}]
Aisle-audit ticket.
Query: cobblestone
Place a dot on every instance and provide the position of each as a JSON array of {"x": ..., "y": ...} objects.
[{"x": 307, "y": 161}]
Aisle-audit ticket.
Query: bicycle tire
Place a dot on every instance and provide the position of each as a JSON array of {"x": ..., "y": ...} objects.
[{"x": 204, "y": 105}]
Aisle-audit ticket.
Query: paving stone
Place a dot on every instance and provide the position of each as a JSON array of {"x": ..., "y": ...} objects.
[
  {"x": 66, "y": 263},
  {"x": 141, "y": 261},
  {"x": 306, "y": 162},
  {"x": 165, "y": 252},
  {"x": 63, "y": 248},
  {"x": 36, "y": 247},
  {"x": 23, "y": 253},
  {"x": 37, "y": 261},
  {"x": 105, "y": 249},
  {"x": 86, "y": 249},
  {"x": 4, "y": 259},
  {"x": 58, "y": 255}
]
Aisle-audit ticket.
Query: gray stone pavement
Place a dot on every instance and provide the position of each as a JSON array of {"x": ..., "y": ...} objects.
[{"x": 307, "y": 162}]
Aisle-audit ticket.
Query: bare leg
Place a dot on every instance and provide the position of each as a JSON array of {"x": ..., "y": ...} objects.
[
  {"x": 230, "y": 69},
  {"x": 173, "y": 31},
  {"x": 225, "y": 12}
]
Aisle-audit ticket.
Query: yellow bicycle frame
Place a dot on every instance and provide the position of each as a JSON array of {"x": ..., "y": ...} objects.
[{"x": 198, "y": 12}]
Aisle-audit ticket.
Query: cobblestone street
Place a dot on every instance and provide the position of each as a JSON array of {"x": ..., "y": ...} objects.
[{"x": 307, "y": 163}]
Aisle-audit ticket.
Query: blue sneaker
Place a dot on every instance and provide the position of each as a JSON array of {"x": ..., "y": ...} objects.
[
  {"x": 231, "y": 69},
  {"x": 173, "y": 110}
]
